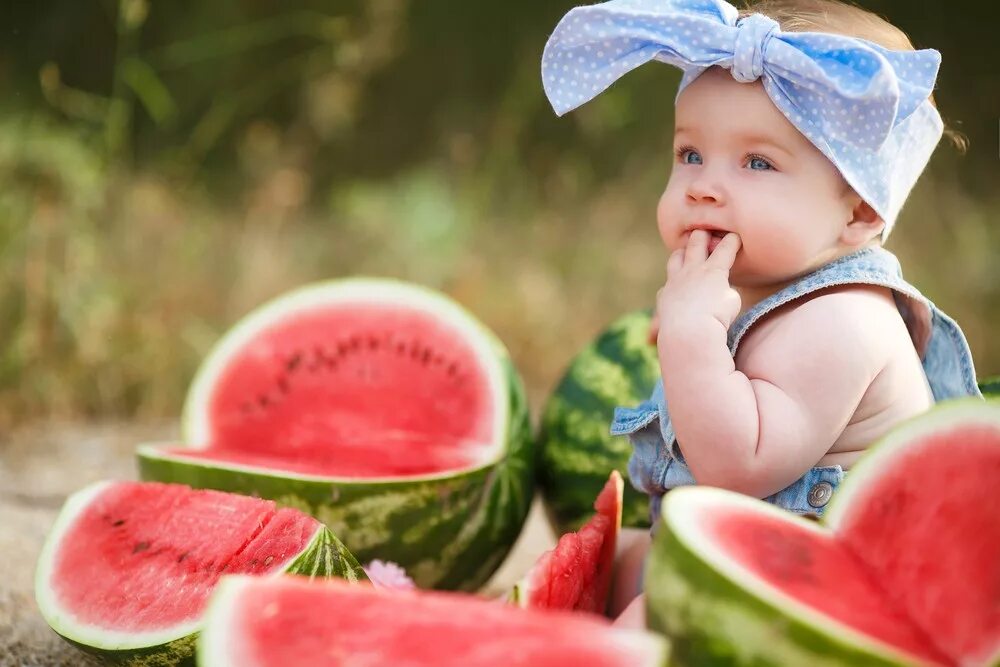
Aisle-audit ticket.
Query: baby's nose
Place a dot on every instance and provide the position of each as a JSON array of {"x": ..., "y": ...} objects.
[{"x": 705, "y": 189}]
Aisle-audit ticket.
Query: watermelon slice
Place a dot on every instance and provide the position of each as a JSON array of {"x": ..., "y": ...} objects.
[
  {"x": 128, "y": 567},
  {"x": 577, "y": 573},
  {"x": 905, "y": 571},
  {"x": 382, "y": 408},
  {"x": 279, "y": 622}
]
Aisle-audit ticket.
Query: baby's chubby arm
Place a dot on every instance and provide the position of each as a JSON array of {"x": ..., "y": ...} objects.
[{"x": 758, "y": 429}]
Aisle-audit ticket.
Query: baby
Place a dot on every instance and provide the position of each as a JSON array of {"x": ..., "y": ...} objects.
[{"x": 788, "y": 340}]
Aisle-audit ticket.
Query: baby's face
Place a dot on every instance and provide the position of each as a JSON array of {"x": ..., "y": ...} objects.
[{"x": 741, "y": 166}]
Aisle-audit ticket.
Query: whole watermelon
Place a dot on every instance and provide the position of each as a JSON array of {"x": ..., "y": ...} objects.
[{"x": 576, "y": 451}]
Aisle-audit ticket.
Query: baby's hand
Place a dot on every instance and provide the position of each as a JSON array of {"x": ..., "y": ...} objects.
[{"x": 697, "y": 287}]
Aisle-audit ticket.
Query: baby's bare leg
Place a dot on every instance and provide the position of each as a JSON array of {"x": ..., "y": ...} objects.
[
  {"x": 634, "y": 615},
  {"x": 633, "y": 544}
]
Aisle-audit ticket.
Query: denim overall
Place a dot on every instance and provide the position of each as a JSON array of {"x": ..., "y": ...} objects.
[{"x": 655, "y": 468}]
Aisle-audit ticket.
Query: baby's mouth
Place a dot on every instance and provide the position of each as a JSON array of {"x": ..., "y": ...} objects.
[{"x": 715, "y": 240}]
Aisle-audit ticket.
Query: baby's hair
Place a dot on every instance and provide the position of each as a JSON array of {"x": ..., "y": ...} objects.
[{"x": 841, "y": 18}]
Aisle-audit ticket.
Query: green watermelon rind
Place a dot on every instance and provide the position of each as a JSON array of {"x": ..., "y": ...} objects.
[
  {"x": 448, "y": 530},
  {"x": 575, "y": 448},
  {"x": 324, "y": 557},
  {"x": 715, "y": 613}
]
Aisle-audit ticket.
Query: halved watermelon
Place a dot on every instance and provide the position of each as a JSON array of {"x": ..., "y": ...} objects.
[
  {"x": 128, "y": 567},
  {"x": 577, "y": 573},
  {"x": 280, "y": 622},
  {"x": 905, "y": 571},
  {"x": 382, "y": 408}
]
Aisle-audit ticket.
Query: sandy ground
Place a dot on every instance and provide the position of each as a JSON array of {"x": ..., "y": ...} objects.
[{"x": 40, "y": 466}]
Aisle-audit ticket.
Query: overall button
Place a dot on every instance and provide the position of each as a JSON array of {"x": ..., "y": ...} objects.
[{"x": 820, "y": 494}]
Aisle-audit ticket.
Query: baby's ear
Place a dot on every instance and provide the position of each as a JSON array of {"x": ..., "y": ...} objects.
[{"x": 865, "y": 224}]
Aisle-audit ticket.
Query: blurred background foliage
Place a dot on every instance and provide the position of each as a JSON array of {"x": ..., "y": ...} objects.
[{"x": 167, "y": 166}]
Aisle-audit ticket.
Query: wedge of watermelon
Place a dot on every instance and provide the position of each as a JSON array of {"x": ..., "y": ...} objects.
[
  {"x": 904, "y": 572},
  {"x": 577, "y": 573},
  {"x": 382, "y": 408},
  {"x": 127, "y": 569},
  {"x": 280, "y": 622}
]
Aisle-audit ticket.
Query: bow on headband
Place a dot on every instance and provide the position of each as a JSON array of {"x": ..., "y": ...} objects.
[{"x": 864, "y": 106}]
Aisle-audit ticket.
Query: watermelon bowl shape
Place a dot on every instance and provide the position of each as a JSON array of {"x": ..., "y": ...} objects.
[
  {"x": 576, "y": 574},
  {"x": 281, "y": 622},
  {"x": 127, "y": 569},
  {"x": 904, "y": 568},
  {"x": 382, "y": 408},
  {"x": 576, "y": 451}
]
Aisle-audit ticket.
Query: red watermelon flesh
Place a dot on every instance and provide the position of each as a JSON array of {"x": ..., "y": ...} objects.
[
  {"x": 577, "y": 573},
  {"x": 282, "y": 621},
  {"x": 142, "y": 557},
  {"x": 928, "y": 530},
  {"x": 336, "y": 389}
]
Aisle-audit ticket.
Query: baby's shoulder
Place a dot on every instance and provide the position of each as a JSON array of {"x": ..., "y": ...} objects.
[
  {"x": 845, "y": 308},
  {"x": 860, "y": 318}
]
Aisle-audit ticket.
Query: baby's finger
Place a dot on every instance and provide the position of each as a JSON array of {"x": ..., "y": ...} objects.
[
  {"x": 724, "y": 254},
  {"x": 675, "y": 262},
  {"x": 697, "y": 246}
]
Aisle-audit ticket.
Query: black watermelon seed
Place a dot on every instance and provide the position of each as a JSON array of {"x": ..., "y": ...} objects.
[
  {"x": 118, "y": 522},
  {"x": 140, "y": 547},
  {"x": 180, "y": 559},
  {"x": 262, "y": 400},
  {"x": 293, "y": 362}
]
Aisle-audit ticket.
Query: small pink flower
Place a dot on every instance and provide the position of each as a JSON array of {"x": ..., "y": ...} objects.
[{"x": 388, "y": 575}]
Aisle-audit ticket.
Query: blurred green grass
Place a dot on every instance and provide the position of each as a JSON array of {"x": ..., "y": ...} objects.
[
  {"x": 140, "y": 220},
  {"x": 114, "y": 284}
]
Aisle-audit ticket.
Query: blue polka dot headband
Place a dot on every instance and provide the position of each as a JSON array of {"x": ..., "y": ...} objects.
[{"x": 863, "y": 106}]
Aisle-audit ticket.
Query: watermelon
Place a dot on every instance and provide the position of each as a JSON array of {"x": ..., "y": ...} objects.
[
  {"x": 990, "y": 387},
  {"x": 383, "y": 409},
  {"x": 127, "y": 569},
  {"x": 575, "y": 448},
  {"x": 901, "y": 570},
  {"x": 280, "y": 622},
  {"x": 577, "y": 573}
]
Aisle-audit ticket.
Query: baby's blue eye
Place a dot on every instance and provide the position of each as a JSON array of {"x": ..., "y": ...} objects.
[
  {"x": 759, "y": 164},
  {"x": 690, "y": 157}
]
